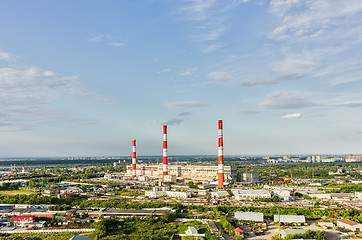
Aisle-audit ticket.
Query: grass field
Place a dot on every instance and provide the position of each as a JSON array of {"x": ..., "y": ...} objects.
[{"x": 14, "y": 192}]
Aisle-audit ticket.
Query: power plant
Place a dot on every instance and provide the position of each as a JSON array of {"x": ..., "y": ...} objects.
[{"x": 219, "y": 174}]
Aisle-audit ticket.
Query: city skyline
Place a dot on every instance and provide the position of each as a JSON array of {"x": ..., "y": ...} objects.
[{"x": 85, "y": 78}]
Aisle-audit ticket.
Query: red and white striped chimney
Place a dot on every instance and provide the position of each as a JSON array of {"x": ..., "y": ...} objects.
[
  {"x": 220, "y": 156},
  {"x": 164, "y": 153},
  {"x": 133, "y": 159}
]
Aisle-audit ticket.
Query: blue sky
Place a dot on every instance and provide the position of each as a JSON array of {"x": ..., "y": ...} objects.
[{"x": 84, "y": 78}]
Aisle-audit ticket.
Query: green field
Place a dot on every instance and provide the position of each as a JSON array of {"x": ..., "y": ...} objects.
[
  {"x": 42, "y": 236},
  {"x": 15, "y": 192}
]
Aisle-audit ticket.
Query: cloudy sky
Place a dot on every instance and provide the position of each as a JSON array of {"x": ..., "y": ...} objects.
[{"x": 84, "y": 78}]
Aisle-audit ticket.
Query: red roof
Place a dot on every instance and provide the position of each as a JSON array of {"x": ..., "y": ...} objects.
[
  {"x": 349, "y": 222},
  {"x": 238, "y": 230},
  {"x": 24, "y": 217}
]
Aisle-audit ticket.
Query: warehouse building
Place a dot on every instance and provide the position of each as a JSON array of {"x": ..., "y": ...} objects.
[
  {"x": 249, "y": 216},
  {"x": 350, "y": 225},
  {"x": 250, "y": 194},
  {"x": 289, "y": 219}
]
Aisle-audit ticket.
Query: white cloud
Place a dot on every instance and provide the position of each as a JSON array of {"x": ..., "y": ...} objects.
[
  {"x": 101, "y": 38},
  {"x": 220, "y": 77},
  {"x": 184, "y": 114},
  {"x": 207, "y": 18},
  {"x": 25, "y": 93},
  {"x": 174, "y": 121},
  {"x": 188, "y": 72},
  {"x": 351, "y": 104},
  {"x": 303, "y": 20},
  {"x": 270, "y": 81},
  {"x": 292, "y": 116},
  {"x": 185, "y": 104},
  {"x": 286, "y": 100},
  {"x": 293, "y": 66},
  {"x": 243, "y": 112},
  {"x": 117, "y": 44},
  {"x": 5, "y": 56},
  {"x": 107, "y": 39}
]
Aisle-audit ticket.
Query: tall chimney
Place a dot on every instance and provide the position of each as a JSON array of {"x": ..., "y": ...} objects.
[
  {"x": 220, "y": 156},
  {"x": 133, "y": 159},
  {"x": 164, "y": 153}
]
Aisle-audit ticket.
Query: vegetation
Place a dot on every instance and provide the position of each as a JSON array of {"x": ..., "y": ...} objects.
[
  {"x": 317, "y": 235},
  {"x": 41, "y": 236},
  {"x": 17, "y": 192},
  {"x": 272, "y": 199},
  {"x": 149, "y": 228}
]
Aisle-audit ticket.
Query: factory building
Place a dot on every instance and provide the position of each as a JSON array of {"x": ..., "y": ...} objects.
[
  {"x": 350, "y": 225},
  {"x": 249, "y": 216},
  {"x": 201, "y": 173},
  {"x": 289, "y": 219},
  {"x": 241, "y": 194}
]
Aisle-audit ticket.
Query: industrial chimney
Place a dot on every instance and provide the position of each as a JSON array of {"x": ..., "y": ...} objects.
[
  {"x": 220, "y": 156},
  {"x": 133, "y": 159},
  {"x": 164, "y": 153}
]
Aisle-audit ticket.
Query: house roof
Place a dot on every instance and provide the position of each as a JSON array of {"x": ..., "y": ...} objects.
[
  {"x": 21, "y": 217},
  {"x": 289, "y": 218},
  {"x": 238, "y": 230},
  {"x": 349, "y": 222},
  {"x": 76, "y": 237}
]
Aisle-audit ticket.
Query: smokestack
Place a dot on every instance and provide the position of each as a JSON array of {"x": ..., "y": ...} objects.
[
  {"x": 133, "y": 159},
  {"x": 220, "y": 156},
  {"x": 164, "y": 153}
]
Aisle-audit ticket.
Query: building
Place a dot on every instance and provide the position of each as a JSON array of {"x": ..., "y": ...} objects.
[
  {"x": 76, "y": 237},
  {"x": 350, "y": 225},
  {"x": 250, "y": 194},
  {"x": 121, "y": 213},
  {"x": 249, "y": 178},
  {"x": 326, "y": 224},
  {"x": 164, "y": 192},
  {"x": 353, "y": 158},
  {"x": 249, "y": 216},
  {"x": 239, "y": 232},
  {"x": 192, "y": 231},
  {"x": 23, "y": 221},
  {"x": 358, "y": 195},
  {"x": 219, "y": 194},
  {"x": 283, "y": 194},
  {"x": 202, "y": 173},
  {"x": 289, "y": 219}
]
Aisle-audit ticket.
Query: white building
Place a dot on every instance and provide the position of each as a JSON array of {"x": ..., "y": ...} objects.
[
  {"x": 358, "y": 195},
  {"x": 191, "y": 231},
  {"x": 321, "y": 195},
  {"x": 249, "y": 216},
  {"x": 249, "y": 178},
  {"x": 164, "y": 192},
  {"x": 219, "y": 194},
  {"x": 348, "y": 224},
  {"x": 283, "y": 194},
  {"x": 250, "y": 194},
  {"x": 289, "y": 218}
]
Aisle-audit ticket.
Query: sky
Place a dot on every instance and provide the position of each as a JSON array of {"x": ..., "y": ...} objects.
[{"x": 85, "y": 77}]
